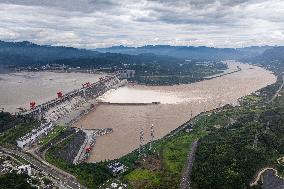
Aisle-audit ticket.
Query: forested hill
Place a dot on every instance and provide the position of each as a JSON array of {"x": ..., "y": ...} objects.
[
  {"x": 273, "y": 57},
  {"x": 190, "y": 52},
  {"x": 25, "y": 53}
]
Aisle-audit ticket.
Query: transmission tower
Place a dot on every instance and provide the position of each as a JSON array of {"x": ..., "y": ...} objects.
[
  {"x": 152, "y": 137},
  {"x": 141, "y": 147}
]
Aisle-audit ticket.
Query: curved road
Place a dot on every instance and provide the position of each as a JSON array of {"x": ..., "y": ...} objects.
[
  {"x": 278, "y": 91},
  {"x": 259, "y": 174},
  {"x": 64, "y": 179}
]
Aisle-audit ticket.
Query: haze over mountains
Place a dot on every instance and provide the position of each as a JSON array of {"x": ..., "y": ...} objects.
[
  {"x": 190, "y": 52},
  {"x": 27, "y": 53},
  {"x": 20, "y": 53}
]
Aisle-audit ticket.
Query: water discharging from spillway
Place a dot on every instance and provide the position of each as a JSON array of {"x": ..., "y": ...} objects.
[{"x": 176, "y": 104}]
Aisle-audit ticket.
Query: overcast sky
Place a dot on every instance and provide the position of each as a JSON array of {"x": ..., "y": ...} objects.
[{"x": 102, "y": 23}]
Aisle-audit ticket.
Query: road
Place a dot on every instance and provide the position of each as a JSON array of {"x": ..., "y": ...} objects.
[
  {"x": 278, "y": 91},
  {"x": 65, "y": 180},
  {"x": 258, "y": 176},
  {"x": 185, "y": 179}
]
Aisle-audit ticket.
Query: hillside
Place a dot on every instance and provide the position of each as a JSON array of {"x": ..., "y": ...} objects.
[
  {"x": 190, "y": 52},
  {"x": 27, "y": 53},
  {"x": 273, "y": 58}
]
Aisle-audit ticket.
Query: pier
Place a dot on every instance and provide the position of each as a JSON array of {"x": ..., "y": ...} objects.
[{"x": 89, "y": 143}]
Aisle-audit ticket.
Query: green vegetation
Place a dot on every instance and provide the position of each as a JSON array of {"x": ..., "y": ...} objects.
[
  {"x": 55, "y": 132},
  {"x": 174, "y": 73},
  {"x": 8, "y": 121},
  {"x": 227, "y": 156},
  {"x": 18, "y": 126},
  {"x": 14, "y": 181},
  {"x": 230, "y": 156},
  {"x": 144, "y": 176},
  {"x": 89, "y": 174},
  {"x": 46, "y": 181},
  {"x": 234, "y": 143},
  {"x": 162, "y": 167}
]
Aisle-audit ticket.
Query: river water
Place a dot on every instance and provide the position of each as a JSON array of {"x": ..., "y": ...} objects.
[
  {"x": 177, "y": 103},
  {"x": 19, "y": 89}
]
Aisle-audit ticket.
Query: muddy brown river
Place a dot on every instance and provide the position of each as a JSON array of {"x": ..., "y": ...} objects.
[
  {"x": 19, "y": 89},
  {"x": 177, "y": 102}
]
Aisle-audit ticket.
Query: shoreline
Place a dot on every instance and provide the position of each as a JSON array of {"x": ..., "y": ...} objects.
[{"x": 123, "y": 117}]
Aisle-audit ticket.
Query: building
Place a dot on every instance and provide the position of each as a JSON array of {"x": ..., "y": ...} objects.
[
  {"x": 126, "y": 74},
  {"x": 34, "y": 135},
  {"x": 117, "y": 167},
  {"x": 25, "y": 169}
]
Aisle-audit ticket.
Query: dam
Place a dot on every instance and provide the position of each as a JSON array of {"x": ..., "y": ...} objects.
[{"x": 88, "y": 91}]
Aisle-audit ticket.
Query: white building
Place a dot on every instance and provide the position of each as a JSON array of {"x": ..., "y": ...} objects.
[
  {"x": 117, "y": 167},
  {"x": 31, "y": 137},
  {"x": 25, "y": 169},
  {"x": 125, "y": 74}
]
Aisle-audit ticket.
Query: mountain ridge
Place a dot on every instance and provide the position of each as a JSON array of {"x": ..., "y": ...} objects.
[{"x": 189, "y": 52}]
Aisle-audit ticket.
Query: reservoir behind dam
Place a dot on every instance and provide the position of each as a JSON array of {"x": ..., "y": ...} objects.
[{"x": 19, "y": 89}]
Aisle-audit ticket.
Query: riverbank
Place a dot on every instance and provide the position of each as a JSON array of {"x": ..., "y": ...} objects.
[
  {"x": 19, "y": 89},
  {"x": 227, "y": 155},
  {"x": 164, "y": 163},
  {"x": 178, "y": 104}
]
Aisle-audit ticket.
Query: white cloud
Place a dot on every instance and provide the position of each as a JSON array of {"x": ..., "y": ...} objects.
[{"x": 99, "y": 23}]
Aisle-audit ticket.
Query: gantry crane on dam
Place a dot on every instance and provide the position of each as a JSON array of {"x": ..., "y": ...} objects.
[{"x": 87, "y": 91}]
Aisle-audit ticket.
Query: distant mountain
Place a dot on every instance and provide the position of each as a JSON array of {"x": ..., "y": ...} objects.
[
  {"x": 254, "y": 50},
  {"x": 273, "y": 57},
  {"x": 273, "y": 54},
  {"x": 25, "y": 53},
  {"x": 189, "y": 52}
]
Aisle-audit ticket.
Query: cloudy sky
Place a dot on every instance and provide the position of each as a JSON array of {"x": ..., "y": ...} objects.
[{"x": 102, "y": 23}]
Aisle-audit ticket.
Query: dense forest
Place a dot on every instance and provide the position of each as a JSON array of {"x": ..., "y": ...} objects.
[
  {"x": 14, "y": 181},
  {"x": 231, "y": 156},
  {"x": 272, "y": 58}
]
